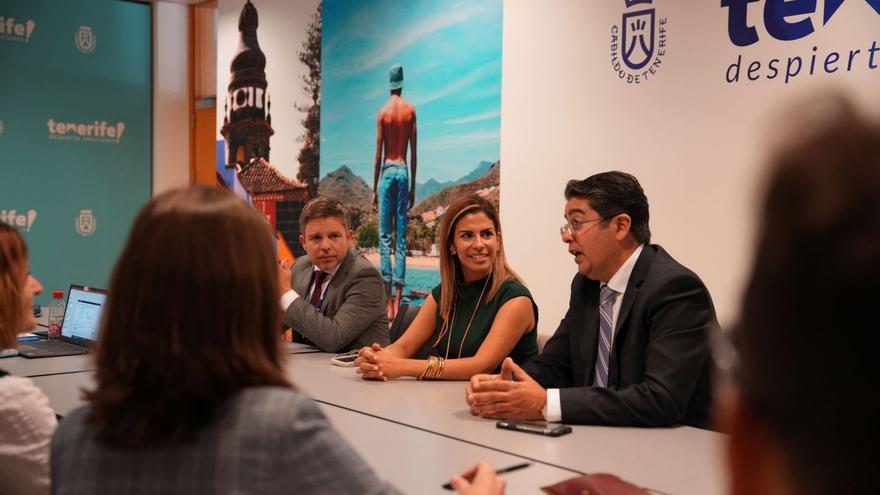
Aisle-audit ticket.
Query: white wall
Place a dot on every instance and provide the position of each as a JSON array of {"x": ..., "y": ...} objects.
[
  {"x": 695, "y": 142},
  {"x": 171, "y": 121}
]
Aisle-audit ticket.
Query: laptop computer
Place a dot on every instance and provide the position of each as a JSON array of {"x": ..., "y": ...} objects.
[{"x": 79, "y": 328}]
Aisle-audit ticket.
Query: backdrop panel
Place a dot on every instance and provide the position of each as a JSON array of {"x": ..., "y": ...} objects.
[{"x": 75, "y": 132}]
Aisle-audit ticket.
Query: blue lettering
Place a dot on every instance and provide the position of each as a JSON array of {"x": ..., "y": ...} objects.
[
  {"x": 772, "y": 66},
  {"x": 741, "y": 34},
  {"x": 776, "y": 12},
  {"x": 832, "y": 58},
  {"x": 735, "y": 65},
  {"x": 790, "y": 71},
  {"x": 852, "y": 55},
  {"x": 753, "y": 68},
  {"x": 831, "y": 7},
  {"x": 872, "y": 50},
  {"x": 776, "y": 18}
]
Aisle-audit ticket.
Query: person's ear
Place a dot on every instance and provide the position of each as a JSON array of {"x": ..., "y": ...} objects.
[
  {"x": 302, "y": 241},
  {"x": 350, "y": 235},
  {"x": 622, "y": 225}
]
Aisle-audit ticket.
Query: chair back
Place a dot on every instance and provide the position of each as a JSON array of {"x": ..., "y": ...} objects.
[{"x": 402, "y": 321}]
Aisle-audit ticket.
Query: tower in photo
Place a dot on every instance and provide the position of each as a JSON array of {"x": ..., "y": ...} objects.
[
  {"x": 247, "y": 128},
  {"x": 247, "y": 121}
]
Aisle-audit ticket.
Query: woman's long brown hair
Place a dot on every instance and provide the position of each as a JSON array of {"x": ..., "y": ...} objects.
[
  {"x": 192, "y": 318},
  {"x": 450, "y": 266},
  {"x": 13, "y": 277}
]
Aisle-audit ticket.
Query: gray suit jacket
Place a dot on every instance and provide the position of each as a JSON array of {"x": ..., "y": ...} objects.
[
  {"x": 264, "y": 440},
  {"x": 353, "y": 312}
]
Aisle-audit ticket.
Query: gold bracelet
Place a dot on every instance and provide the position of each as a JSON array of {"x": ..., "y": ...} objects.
[
  {"x": 435, "y": 364},
  {"x": 440, "y": 368},
  {"x": 426, "y": 375}
]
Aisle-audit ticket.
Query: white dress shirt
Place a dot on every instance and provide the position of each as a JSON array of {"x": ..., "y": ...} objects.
[
  {"x": 288, "y": 297},
  {"x": 553, "y": 408}
]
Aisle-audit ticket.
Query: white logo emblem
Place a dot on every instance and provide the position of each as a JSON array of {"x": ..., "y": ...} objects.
[
  {"x": 86, "y": 223},
  {"x": 85, "y": 40}
]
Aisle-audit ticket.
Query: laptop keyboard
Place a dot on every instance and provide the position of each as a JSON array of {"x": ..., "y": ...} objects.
[{"x": 54, "y": 346}]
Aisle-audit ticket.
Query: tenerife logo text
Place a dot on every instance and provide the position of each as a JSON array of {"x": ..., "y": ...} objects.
[
  {"x": 638, "y": 45},
  {"x": 23, "y": 221},
  {"x": 789, "y": 20},
  {"x": 95, "y": 132},
  {"x": 12, "y": 30}
]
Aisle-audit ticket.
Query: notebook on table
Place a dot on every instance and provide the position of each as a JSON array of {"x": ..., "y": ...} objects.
[{"x": 79, "y": 328}]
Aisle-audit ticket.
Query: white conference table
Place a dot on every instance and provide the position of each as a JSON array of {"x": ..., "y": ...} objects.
[
  {"x": 681, "y": 460},
  {"x": 19, "y": 366},
  {"x": 415, "y": 461},
  {"x": 678, "y": 461}
]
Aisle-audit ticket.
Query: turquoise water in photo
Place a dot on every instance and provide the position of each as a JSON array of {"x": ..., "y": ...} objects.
[{"x": 422, "y": 279}]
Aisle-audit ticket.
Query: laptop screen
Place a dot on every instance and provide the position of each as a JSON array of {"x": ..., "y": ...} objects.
[{"x": 82, "y": 317}]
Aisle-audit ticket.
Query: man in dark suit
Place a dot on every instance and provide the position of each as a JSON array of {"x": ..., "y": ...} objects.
[
  {"x": 332, "y": 298},
  {"x": 633, "y": 347}
]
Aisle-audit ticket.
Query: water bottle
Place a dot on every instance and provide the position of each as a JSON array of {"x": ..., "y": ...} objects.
[{"x": 56, "y": 314}]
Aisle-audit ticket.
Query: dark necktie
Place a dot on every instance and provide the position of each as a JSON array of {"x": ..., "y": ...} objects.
[{"x": 315, "y": 300}]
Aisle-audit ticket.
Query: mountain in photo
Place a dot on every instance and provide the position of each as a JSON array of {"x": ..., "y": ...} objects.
[
  {"x": 432, "y": 186},
  {"x": 485, "y": 185},
  {"x": 350, "y": 189}
]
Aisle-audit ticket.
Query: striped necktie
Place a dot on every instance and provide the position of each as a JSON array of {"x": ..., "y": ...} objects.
[{"x": 606, "y": 336}]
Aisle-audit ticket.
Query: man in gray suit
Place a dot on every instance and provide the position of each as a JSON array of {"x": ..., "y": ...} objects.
[{"x": 332, "y": 298}]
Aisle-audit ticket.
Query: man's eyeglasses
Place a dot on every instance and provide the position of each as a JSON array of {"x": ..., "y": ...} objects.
[{"x": 572, "y": 226}]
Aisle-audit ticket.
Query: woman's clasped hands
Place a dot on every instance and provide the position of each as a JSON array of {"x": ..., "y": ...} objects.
[{"x": 377, "y": 363}]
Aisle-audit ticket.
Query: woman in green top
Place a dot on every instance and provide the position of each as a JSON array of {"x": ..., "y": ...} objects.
[{"x": 479, "y": 314}]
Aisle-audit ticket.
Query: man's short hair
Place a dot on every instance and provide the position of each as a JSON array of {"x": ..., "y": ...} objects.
[
  {"x": 613, "y": 193},
  {"x": 324, "y": 207},
  {"x": 807, "y": 339}
]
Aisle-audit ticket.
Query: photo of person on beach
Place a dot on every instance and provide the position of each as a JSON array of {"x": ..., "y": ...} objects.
[{"x": 395, "y": 172}]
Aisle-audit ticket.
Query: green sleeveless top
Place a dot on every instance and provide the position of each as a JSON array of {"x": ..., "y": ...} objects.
[{"x": 483, "y": 319}]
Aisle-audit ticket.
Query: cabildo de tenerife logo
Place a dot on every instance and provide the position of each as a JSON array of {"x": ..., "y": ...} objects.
[
  {"x": 638, "y": 44},
  {"x": 789, "y": 20},
  {"x": 85, "y": 39},
  {"x": 92, "y": 132},
  {"x": 86, "y": 223},
  {"x": 17, "y": 31}
]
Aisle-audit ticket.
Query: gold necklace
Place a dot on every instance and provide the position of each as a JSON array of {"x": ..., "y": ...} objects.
[{"x": 450, "y": 326}]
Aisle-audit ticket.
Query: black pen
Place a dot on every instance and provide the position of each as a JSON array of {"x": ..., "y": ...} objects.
[{"x": 508, "y": 469}]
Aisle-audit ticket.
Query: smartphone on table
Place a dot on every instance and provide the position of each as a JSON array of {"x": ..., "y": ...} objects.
[
  {"x": 536, "y": 427},
  {"x": 345, "y": 359}
]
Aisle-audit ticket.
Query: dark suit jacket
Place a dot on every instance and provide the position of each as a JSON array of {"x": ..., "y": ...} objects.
[
  {"x": 353, "y": 311},
  {"x": 659, "y": 370}
]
